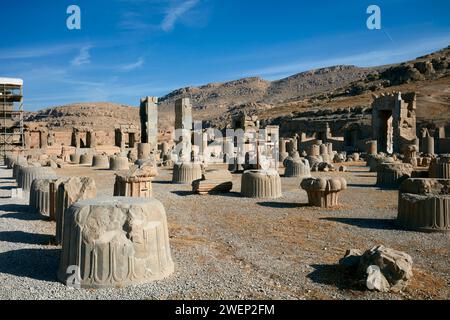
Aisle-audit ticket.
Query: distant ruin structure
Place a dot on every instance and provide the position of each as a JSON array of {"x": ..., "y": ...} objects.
[
  {"x": 394, "y": 121},
  {"x": 148, "y": 113}
]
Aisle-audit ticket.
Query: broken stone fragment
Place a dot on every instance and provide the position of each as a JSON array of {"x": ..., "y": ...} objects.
[{"x": 375, "y": 279}]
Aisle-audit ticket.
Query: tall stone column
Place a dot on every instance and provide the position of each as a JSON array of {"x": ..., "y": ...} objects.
[
  {"x": 183, "y": 126},
  {"x": 148, "y": 113}
]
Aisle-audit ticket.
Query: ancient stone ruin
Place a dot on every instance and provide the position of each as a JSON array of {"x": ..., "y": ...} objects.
[
  {"x": 424, "y": 205},
  {"x": 261, "y": 184},
  {"x": 323, "y": 192},
  {"x": 213, "y": 181},
  {"x": 137, "y": 182},
  {"x": 115, "y": 242},
  {"x": 69, "y": 192}
]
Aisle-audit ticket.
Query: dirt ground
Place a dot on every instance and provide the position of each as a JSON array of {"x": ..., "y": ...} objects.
[{"x": 228, "y": 247}]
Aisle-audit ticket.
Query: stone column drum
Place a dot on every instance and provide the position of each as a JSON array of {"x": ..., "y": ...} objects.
[
  {"x": 116, "y": 242},
  {"x": 424, "y": 205},
  {"x": 323, "y": 192},
  {"x": 261, "y": 184},
  {"x": 86, "y": 159},
  {"x": 393, "y": 174},
  {"x": 28, "y": 174},
  {"x": 70, "y": 191},
  {"x": 186, "y": 172},
  {"x": 118, "y": 163},
  {"x": 43, "y": 195},
  {"x": 75, "y": 158},
  {"x": 100, "y": 162},
  {"x": 440, "y": 167},
  {"x": 297, "y": 167}
]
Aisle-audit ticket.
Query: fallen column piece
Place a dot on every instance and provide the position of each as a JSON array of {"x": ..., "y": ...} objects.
[
  {"x": 323, "y": 192},
  {"x": 424, "y": 205},
  {"x": 115, "y": 242},
  {"x": 118, "y": 163},
  {"x": 393, "y": 174},
  {"x": 264, "y": 184},
  {"x": 186, "y": 172},
  {"x": 380, "y": 268},
  {"x": 43, "y": 195},
  {"x": 28, "y": 174},
  {"x": 137, "y": 182},
  {"x": 70, "y": 191},
  {"x": 214, "y": 181},
  {"x": 100, "y": 162},
  {"x": 440, "y": 167}
]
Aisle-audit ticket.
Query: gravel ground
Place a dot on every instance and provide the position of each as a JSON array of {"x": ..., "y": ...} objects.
[{"x": 227, "y": 247}]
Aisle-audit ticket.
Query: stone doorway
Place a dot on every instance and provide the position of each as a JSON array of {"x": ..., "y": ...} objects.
[{"x": 386, "y": 131}]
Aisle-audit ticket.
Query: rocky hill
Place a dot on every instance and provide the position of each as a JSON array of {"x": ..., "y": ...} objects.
[{"x": 332, "y": 87}]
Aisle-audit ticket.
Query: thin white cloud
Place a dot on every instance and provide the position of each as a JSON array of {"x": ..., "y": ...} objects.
[
  {"x": 84, "y": 57},
  {"x": 132, "y": 66},
  {"x": 177, "y": 12},
  {"x": 37, "y": 52}
]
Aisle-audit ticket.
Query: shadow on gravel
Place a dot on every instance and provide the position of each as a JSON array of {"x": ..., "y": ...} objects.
[
  {"x": 183, "y": 193},
  {"x": 367, "y": 223},
  {"x": 7, "y": 187},
  {"x": 334, "y": 275},
  {"x": 25, "y": 237},
  {"x": 39, "y": 264},
  {"x": 20, "y": 212},
  {"x": 282, "y": 205}
]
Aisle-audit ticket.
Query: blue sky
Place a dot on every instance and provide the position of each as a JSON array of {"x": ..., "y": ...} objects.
[{"x": 127, "y": 49}]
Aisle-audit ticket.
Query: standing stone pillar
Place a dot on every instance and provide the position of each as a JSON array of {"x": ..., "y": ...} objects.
[
  {"x": 148, "y": 113},
  {"x": 428, "y": 145},
  {"x": 183, "y": 127}
]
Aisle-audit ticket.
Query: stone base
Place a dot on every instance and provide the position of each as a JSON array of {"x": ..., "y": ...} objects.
[
  {"x": 116, "y": 242},
  {"x": 75, "y": 158},
  {"x": 86, "y": 159},
  {"x": 28, "y": 174},
  {"x": 118, "y": 163},
  {"x": 100, "y": 162},
  {"x": 323, "y": 192},
  {"x": 393, "y": 174},
  {"x": 261, "y": 184},
  {"x": 186, "y": 172}
]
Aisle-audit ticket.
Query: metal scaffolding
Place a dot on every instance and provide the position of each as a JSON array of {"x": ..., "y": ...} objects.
[{"x": 11, "y": 117}]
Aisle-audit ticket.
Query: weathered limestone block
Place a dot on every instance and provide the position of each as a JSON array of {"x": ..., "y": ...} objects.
[
  {"x": 440, "y": 167},
  {"x": 86, "y": 159},
  {"x": 116, "y": 242},
  {"x": 137, "y": 182},
  {"x": 43, "y": 195},
  {"x": 75, "y": 158},
  {"x": 393, "y": 174},
  {"x": 118, "y": 163},
  {"x": 326, "y": 158},
  {"x": 373, "y": 161},
  {"x": 261, "y": 184},
  {"x": 424, "y": 205},
  {"x": 186, "y": 172},
  {"x": 297, "y": 167},
  {"x": 394, "y": 269},
  {"x": 100, "y": 162},
  {"x": 339, "y": 157},
  {"x": 213, "y": 181},
  {"x": 28, "y": 174},
  {"x": 323, "y": 192},
  {"x": 70, "y": 191},
  {"x": 11, "y": 160}
]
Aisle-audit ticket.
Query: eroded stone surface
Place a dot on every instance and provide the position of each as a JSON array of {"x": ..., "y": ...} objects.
[
  {"x": 69, "y": 192},
  {"x": 116, "y": 242},
  {"x": 323, "y": 192},
  {"x": 261, "y": 184}
]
